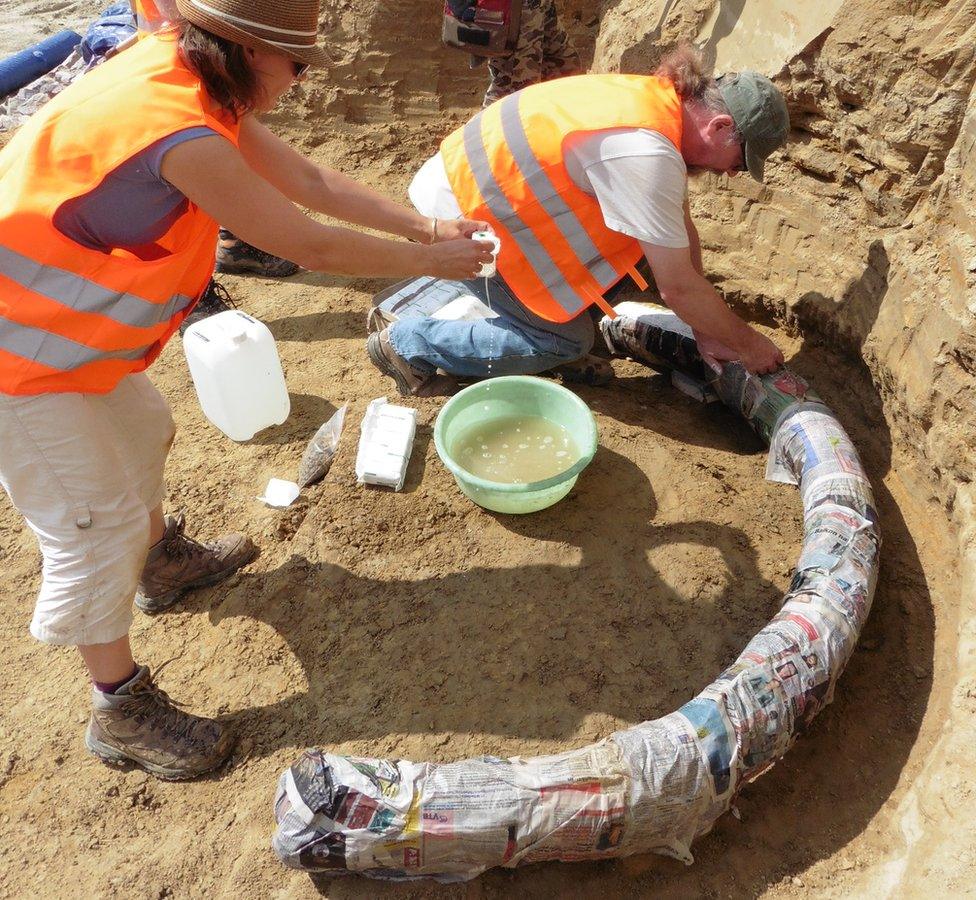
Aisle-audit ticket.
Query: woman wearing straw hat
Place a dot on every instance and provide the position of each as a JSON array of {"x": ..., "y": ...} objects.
[{"x": 109, "y": 198}]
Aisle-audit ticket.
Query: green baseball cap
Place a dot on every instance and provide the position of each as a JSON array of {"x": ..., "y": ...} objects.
[{"x": 760, "y": 114}]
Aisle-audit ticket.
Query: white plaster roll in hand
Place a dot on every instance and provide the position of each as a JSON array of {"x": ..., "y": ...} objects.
[{"x": 488, "y": 269}]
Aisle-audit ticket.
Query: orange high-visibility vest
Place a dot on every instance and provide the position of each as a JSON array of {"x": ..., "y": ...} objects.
[
  {"x": 149, "y": 17},
  {"x": 73, "y": 318},
  {"x": 506, "y": 166}
]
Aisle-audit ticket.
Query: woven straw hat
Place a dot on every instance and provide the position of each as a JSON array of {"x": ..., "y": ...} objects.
[{"x": 288, "y": 26}]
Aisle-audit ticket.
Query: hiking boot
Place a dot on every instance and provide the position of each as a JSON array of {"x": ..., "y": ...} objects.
[
  {"x": 139, "y": 725},
  {"x": 214, "y": 299},
  {"x": 177, "y": 564},
  {"x": 589, "y": 369},
  {"x": 237, "y": 257},
  {"x": 385, "y": 358},
  {"x": 378, "y": 318}
]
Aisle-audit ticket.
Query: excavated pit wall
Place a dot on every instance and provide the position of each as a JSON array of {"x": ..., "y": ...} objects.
[
  {"x": 863, "y": 238},
  {"x": 862, "y": 235}
]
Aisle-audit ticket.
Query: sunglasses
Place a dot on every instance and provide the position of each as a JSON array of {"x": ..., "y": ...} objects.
[
  {"x": 299, "y": 69},
  {"x": 743, "y": 166}
]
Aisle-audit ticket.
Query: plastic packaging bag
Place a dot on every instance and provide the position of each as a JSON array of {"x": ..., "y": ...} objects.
[
  {"x": 114, "y": 26},
  {"x": 321, "y": 450}
]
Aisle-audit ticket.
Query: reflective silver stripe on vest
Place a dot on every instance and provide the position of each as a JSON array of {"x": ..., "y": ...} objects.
[
  {"x": 549, "y": 198},
  {"x": 537, "y": 256},
  {"x": 56, "y": 351},
  {"x": 82, "y": 295}
]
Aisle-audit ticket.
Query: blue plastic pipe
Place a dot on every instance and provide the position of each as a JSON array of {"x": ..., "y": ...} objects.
[{"x": 30, "y": 64}]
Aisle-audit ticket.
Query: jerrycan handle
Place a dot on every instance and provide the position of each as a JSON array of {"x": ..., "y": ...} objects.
[{"x": 239, "y": 337}]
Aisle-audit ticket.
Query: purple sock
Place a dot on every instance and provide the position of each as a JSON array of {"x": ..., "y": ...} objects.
[{"x": 110, "y": 687}]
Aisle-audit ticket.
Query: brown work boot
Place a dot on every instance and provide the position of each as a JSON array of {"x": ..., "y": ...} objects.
[
  {"x": 177, "y": 564},
  {"x": 378, "y": 319},
  {"x": 409, "y": 381},
  {"x": 237, "y": 257},
  {"x": 139, "y": 725},
  {"x": 592, "y": 370},
  {"x": 213, "y": 300}
]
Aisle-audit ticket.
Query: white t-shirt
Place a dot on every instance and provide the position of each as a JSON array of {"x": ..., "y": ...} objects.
[{"x": 636, "y": 175}]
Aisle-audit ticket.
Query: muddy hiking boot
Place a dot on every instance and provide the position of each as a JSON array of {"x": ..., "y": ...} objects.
[
  {"x": 389, "y": 362},
  {"x": 592, "y": 370},
  {"x": 177, "y": 564},
  {"x": 409, "y": 381},
  {"x": 214, "y": 299},
  {"x": 139, "y": 725},
  {"x": 237, "y": 257}
]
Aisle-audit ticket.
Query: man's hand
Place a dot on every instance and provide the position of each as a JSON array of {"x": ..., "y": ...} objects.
[
  {"x": 759, "y": 356},
  {"x": 713, "y": 352},
  {"x": 452, "y": 229},
  {"x": 698, "y": 304}
]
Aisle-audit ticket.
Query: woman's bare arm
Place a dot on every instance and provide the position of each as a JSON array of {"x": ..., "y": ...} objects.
[
  {"x": 214, "y": 175},
  {"x": 328, "y": 191}
]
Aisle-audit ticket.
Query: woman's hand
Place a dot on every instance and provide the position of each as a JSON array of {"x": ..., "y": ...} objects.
[
  {"x": 452, "y": 229},
  {"x": 458, "y": 259}
]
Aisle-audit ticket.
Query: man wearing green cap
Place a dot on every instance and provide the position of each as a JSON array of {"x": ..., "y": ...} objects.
[
  {"x": 759, "y": 113},
  {"x": 576, "y": 203}
]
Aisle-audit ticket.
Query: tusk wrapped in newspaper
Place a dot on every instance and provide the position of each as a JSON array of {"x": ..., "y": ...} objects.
[{"x": 657, "y": 786}]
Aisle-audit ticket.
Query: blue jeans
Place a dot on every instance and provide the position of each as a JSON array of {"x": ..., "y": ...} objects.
[{"x": 517, "y": 342}]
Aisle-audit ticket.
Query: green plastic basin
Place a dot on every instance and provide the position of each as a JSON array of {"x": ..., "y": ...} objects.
[{"x": 501, "y": 398}]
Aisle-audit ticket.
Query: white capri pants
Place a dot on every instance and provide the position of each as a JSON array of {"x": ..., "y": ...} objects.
[{"x": 85, "y": 470}]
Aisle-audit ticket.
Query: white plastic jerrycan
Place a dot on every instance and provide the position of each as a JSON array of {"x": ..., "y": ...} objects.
[{"x": 235, "y": 368}]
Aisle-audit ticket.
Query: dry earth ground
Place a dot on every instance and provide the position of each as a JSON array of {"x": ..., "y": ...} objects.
[{"x": 418, "y": 625}]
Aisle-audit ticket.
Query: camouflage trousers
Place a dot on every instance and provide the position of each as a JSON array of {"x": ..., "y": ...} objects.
[{"x": 544, "y": 51}]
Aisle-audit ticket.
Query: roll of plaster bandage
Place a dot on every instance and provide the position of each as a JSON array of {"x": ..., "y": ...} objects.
[{"x": 488, "y": 269}]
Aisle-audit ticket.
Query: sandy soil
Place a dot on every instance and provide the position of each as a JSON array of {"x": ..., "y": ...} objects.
[
  {"x": 417, "y": 625},
  {"x": 24, "y": 22}
]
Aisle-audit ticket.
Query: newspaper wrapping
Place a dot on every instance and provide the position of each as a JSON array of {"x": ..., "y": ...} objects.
[{"x": 654, "y": 787}]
